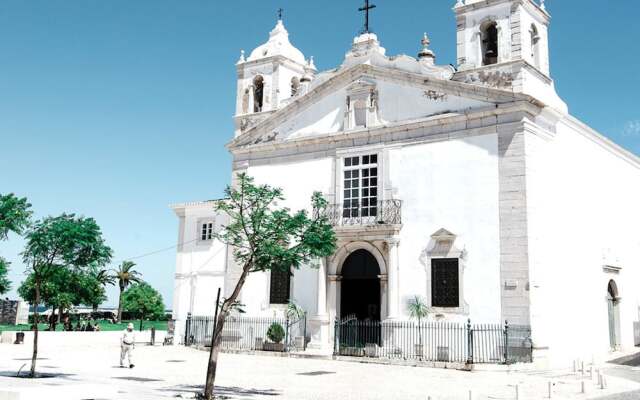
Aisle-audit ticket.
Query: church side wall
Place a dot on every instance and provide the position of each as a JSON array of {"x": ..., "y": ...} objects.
[
  {"x": 452, "y": 185},
  {"x": 200, "y": 268},
  {"x": 583, "y": 215}
]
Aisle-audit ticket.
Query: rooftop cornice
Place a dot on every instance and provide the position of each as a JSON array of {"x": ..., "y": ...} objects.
[
  {"x": 484, "y": 3},
  {"x": 386, "y": 133}
]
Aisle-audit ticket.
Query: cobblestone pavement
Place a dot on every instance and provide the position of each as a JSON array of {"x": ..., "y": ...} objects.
[{"x": 91, "y": 369}]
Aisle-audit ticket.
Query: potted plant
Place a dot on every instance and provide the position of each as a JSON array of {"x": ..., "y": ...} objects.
[
  {"x": 419, "y": 310},
  {"x": 275, "y": 334}
]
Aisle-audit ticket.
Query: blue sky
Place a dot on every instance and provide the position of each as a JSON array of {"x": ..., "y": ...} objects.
[{"x": 116, "y": 109}]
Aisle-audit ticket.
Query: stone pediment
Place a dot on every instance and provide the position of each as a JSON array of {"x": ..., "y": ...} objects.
[{"x": 396, "y": 96}]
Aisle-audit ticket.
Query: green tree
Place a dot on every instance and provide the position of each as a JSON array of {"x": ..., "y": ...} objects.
[
  {"x": 265, "y": 237},
  {"x": 419, "y": 310},
  {"x": 15, "y": 214},
  {"x": 59, "y": 243},
  {"x": 125, "y": 275},
  {"x": 5, "y": 284},
  {"x": 143, "y": 301}
]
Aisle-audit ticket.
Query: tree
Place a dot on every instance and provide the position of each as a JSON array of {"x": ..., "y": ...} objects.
[
  {"x": 5, "y": 284},
  {"x": 419, "y": 310},
  {"x": 126, "y": 275},
  {"x": 60, "y": 243},
  {"x": 94, "y": 285},
  {"x": 15, "y": 214},
  {"x": 143, "y": 301},
  {"x": 263, "y": 238}
]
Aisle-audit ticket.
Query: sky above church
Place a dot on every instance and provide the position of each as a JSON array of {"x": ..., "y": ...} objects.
[{"x": 116, "y": 109}]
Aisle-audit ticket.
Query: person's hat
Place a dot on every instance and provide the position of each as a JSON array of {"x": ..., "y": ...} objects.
[{"x": 130, "y": 326}]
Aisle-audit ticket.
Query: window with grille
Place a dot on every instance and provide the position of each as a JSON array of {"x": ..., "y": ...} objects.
[
  {"x": 280, "y": 286},
  {"x": 206, "y": 231},
  {"x": 445, "y": 283},
  {"x": 360, "y": 191}
]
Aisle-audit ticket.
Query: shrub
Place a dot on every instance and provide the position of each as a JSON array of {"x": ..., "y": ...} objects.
[{"x": 275, "y": 333}]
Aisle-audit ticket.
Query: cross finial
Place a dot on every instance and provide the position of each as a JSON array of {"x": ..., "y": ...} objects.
[
  {"x": 366, "y": 9},
  {"x": 280, "y": 11}
]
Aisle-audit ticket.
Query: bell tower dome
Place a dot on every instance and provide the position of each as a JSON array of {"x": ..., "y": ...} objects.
[{"x": 269, "y": 78}]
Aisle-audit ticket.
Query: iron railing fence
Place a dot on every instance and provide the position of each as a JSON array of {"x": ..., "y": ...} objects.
[
  {"x": 434, "y": 341},
  {"x": 245, "y": 333},
  {"x": 384, "y": 212}
]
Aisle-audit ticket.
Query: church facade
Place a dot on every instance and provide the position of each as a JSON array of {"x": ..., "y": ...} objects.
[{"x": 471, "y": 187}]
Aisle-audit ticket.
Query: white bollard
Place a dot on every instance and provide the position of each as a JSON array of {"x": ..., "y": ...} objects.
[
  {"x": 575, "y": 367},
  {"x": 517, "y": 392},
  {"x": 550, "y": 390},
  {"x": 591, "y": 373},
  {"x": 582, "y": 368},
  {"x": 470, "y": 395},
  {"x": 583, "y": 388}
]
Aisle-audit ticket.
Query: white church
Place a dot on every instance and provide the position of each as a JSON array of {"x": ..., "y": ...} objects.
[{"x": 472, "y": 187}]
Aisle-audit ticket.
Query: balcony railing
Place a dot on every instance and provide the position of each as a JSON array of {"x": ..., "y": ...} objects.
[{"x": 352, "y": 212}]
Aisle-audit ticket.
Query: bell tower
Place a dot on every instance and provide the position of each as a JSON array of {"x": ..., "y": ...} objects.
[
  {"x": 269, "y": 78},
  {"x": 505, "y": 44},
  {"x": 493, "y": 32}
]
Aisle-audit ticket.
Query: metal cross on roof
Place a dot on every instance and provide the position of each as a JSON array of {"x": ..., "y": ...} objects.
[
  {"x": 366, "y": 9},
  {"x": 280, "y": 11}
]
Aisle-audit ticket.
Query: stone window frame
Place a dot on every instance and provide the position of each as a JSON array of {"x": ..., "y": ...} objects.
[
  {"x": 205, "y": 223},
  {"x": 443, "y": 246},
  {"x": 360, "y": 152}
]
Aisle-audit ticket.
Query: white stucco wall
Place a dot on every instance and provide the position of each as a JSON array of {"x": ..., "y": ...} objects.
[
  {"x": 582, "y": 214},
  {"x": 299, "y": 181},
  {"x": 451, "y": 185},
  {"x": 200, "y": 265}
]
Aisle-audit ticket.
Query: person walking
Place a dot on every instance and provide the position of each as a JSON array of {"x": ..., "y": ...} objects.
[{"x": 127, "y": 343}]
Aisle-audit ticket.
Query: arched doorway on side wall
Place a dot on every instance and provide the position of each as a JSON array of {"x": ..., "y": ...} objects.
[
  {"x": 613, "y": 306},
  {"x": 360, "y": 287}
]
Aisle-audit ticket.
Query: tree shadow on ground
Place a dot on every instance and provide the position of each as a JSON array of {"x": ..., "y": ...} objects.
[
  {"x": 622, "y": 396},
  {"x": 632, "y": 360},
  {"x": 315, "y": 373},
  {"x": 136, "y": 379},
  {"x": 39, "y": 375},
  {"x": 224, "y": 392}
]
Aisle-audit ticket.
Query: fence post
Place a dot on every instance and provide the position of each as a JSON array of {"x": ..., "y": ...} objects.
[
  {"x": 304, "y": 346},
  {"x": 506, "y": 342},
  {"x": 336, "y": 337},
  {"x": 187, "y": 328},
  {"x": 287, "y": 336},
  {"x": 469, "y": 342}
]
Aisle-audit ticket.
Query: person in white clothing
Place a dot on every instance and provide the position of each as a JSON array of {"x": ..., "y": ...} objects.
[{"x": 127, "y": 343}]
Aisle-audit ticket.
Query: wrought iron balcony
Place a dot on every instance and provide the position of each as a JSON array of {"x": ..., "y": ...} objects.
[{"x": 353, "y": 212}]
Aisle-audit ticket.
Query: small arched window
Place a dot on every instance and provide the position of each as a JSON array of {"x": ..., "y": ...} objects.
[
  {"x": 489, "y": 34},
  {"x": 295, "y": 86},
  {"x": 535, "y": 46},
  {"x": 258, "y": 93}
]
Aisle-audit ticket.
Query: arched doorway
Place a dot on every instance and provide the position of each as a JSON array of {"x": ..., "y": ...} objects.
[
  {"x": 360, "y": 287},
  {"x": 613, "y": 305}
]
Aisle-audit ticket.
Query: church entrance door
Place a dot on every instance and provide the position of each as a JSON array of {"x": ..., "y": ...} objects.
[{"x": 360, "y": 287}]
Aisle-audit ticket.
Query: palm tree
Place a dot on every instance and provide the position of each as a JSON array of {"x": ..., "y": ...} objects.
[
  {"x": 418, "y": 309},
  {"x": 104, "y": 278},
  {"x": 126, "y": 275}
]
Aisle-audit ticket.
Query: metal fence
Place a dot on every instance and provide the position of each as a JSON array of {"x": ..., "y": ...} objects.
[
  {"x": 245, "y": 333},
  {"x": 384, "y": 212},
  {"x": 404, "y": 340},
  {"x": 434, "y": 341}
]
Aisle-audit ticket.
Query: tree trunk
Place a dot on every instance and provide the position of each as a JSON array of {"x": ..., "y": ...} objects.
[
  {"x": 34, "y": 356},
  {"x": 120, "y": 304},
  {"x": 217, "y": 335}
]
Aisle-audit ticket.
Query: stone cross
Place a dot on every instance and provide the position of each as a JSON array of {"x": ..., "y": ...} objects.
[{"x": 366, "y": 9}]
